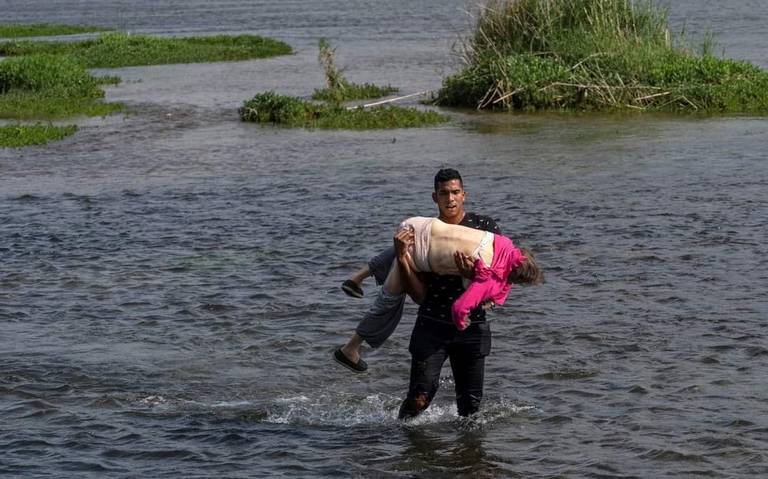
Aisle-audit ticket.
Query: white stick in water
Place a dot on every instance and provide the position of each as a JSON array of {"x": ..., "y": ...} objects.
[{"x": 389, "y": 100}]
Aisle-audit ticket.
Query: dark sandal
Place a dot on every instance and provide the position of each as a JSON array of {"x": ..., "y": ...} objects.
[
  {"x": 352, "y": 289},
  {"x": 359, "y": 367}
]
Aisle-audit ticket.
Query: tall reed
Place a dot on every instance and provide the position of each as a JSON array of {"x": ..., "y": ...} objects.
[{"x": 337, "y": 88}]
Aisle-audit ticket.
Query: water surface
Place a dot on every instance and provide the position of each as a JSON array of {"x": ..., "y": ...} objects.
[{"x": 169, "y": 291}]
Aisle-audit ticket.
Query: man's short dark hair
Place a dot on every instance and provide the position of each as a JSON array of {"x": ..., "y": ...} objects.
[{"x": 447, "y": 174}]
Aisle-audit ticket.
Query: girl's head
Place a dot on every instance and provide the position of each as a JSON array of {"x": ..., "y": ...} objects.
[{"x": 528, "y": 272}]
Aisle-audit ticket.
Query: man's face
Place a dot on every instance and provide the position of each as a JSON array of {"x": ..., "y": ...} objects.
[{"x": 449, "y": 198}]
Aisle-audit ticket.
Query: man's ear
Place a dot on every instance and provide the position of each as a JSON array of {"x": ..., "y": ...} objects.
[{"x": 434, "y": 197}]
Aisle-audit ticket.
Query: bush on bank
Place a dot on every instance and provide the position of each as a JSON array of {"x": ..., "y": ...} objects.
[
  {"x": 595, "y": 55},
  {"x": 50, "y": 86},
  {"x": 113, "y": 50},
  {"x": 17, "y": 136},
  {"x": 273, "y": 108}
]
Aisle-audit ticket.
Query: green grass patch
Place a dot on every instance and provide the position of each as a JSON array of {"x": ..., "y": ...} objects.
[
  {"x": 270, "y": 107},
  {"x": 14, "y": 30},
  {"x": 352, "y": 91},
  {"x": 337, "y": 88},
  {"x": 17, "y": 136},
  {"x": 46, "y": 106},
  {"x": 113, "y": 50},
  {"x": 596, "y": 55},
  {"x": 47, "y": 86}
]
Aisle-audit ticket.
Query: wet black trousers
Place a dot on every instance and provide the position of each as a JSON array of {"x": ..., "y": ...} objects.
[{"x": 433, "y": 342}]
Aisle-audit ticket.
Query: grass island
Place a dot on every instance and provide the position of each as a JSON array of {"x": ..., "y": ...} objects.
[
  {"x": 270, "y": 107},
  {"x": 595, "y": 55},
  {"x": 15, "y": 30},
  {"x": 114, "y": 50},
  {"x": 18, "y": 136},
  {"x": 329, "y": 112}
]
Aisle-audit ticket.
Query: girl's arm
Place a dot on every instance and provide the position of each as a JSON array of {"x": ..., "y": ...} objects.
[
  {"x": 481, "y": 290},
  {"x": 475, "y": 294}
]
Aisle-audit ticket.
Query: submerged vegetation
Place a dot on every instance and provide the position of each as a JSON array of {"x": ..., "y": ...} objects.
[
  {"x": 17, "y": 136},
  {"x": 270, "y": 107},
  {"x": 113, "y": 50},
  {"x": 50, "y": 86},
  {"x": 337, "y": 88},
  {"x": 14, "y": 30},
  {"x": 595, "y": 55}
]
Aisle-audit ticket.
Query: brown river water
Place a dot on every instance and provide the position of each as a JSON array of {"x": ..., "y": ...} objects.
[{"x": 169, "y": 284}]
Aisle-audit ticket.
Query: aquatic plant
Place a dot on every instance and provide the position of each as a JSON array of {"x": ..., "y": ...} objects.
[
  {"x": 16, "y": 30},
  {"x": 113, "y": 50},
  {"x": 17, "y": 136},
  {"x": 595, "y": 55},
  {"x": 327, "y": 58},
  {"x": 337, "y": 88},
  {"x": 47, "y": 73},
  {"x": 270, "y": 107},
  {"x": 50, "y": 86}
]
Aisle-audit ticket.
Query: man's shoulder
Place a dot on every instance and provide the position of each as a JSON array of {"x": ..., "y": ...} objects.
[{"x": 481, "y": 222}]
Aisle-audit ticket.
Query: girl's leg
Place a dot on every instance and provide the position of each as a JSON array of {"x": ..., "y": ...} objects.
[
  {"x": 393, "y": 285},
  {"x": 351, "y": 348},
  {"x": 353, "y": 285},
  {"x": 381, "y": 319},
  {"x": 378, "y": 267},
  {"x": 360, "y": 275}
]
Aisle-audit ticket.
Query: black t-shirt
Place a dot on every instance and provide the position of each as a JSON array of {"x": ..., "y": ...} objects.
[{"x": 442, "y": 290}]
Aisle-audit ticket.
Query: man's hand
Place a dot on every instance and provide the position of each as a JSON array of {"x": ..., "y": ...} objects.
[
  {"x": 404, "y": 239},
  {"x": 464, "y": 264}
]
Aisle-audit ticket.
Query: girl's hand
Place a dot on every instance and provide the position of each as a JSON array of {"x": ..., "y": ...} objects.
[{"x": 488, "y": 305}]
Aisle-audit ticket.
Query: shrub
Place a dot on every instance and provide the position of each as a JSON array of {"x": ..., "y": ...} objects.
[{"x": 595, "y": 55}]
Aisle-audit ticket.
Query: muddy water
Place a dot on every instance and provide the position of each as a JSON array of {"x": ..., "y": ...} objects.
[{"x": 168, "y": 291}]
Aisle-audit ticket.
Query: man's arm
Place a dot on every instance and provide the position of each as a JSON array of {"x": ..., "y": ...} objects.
[{"x": 412, "y": 285}]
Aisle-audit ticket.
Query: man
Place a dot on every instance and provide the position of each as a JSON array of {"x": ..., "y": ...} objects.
[
  {"x": 435, "y": 338},
  {"x": 376, "y": 327}
]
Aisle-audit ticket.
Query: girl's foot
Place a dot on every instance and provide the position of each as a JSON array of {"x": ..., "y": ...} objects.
[
  {"x": 358, "y": 366},
  {"x": 352, "y": 289}
]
